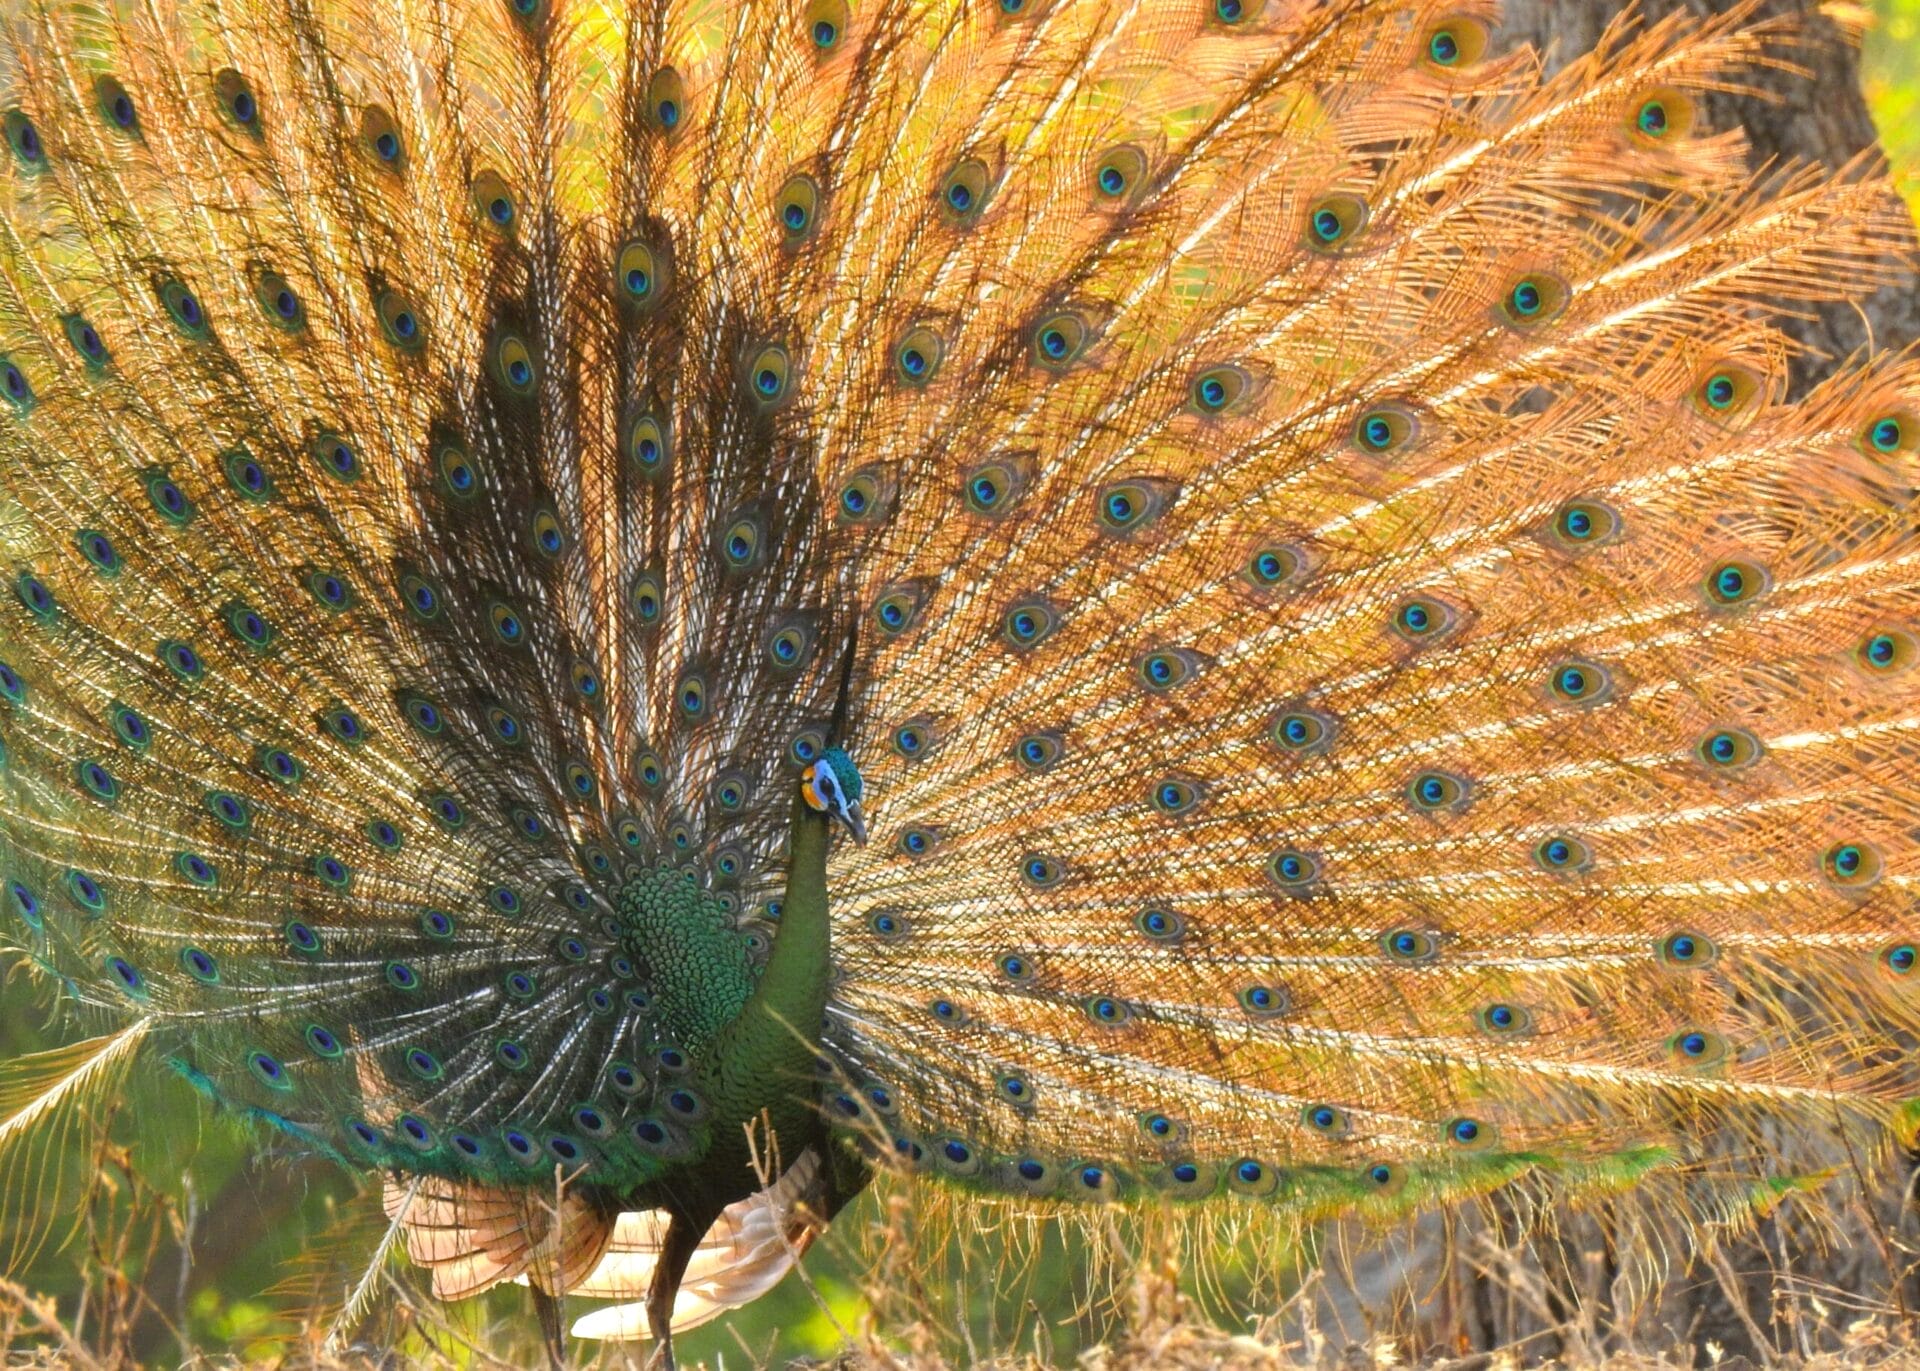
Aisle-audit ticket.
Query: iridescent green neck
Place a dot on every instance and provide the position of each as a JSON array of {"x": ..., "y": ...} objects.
[{"x": 764, "y": 1059}]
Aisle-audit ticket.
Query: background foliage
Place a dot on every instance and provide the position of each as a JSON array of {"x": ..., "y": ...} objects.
[{"x": 272, "y": 1238}]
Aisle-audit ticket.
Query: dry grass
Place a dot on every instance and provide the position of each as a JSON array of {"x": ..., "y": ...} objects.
[
  {"x": 1149, "y": 1319},
  {"x": 1464, "y": 1291}
]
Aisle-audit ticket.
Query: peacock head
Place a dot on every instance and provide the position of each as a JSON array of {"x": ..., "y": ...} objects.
[{"x": 832, "y": 786}]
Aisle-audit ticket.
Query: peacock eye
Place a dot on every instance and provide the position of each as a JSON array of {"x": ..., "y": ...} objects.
[
  {"x": 1410, "y": 945},
  {"x": 647, "y": 597},
  {"x": 1333, "y": 222},
  {"x": 963, "y": 193},
  {"x": 1735, "y": 583},
  {"x": 1130, "y": 507},
  {"x": 1687, "y": 949},
  {"x": 898, "y": 609},
  {"x": 867, "y": 496},
  {"x": 513, "y": 365},
  {"x": 279, "y": 301},
  {"x": 1728, "y": 749},
  {"x": 1436, "y": 790},
  {"x": 1421, "y": 620},
  {"x": 639, "y": 275},
  {"x": 1166, "y": 670},
  {"x": 1889, "y": 434},
  {"x": 1697, "y": 1048},
  {"x": 769, "y": 376},
  {"x": 1454, "y": 43},
  {"x": 1533, "y": 301},
  {"x": 790, "y": 646},
  {"x": 1660, "y": 115},
  {"x": 1851, "y": 865},
  {"x": 991, "y": 489},
  {"x": 1174, "y": 796},
  {"x": 667, "y": 100},
  {"x": 493, "y": 201},
  {"x": 1058, "y": 341},
  {"x": 1562, "y": 853},
  {"x": 1581, "y": 524},
  {"x": 1302, "y": 731},
  {"x": 825, "y": 23},
  {"x": 1326, "y": 1120},
  {"x": 1886, "y": 651},
  {"x": 1161, "y": 925},
  {"x": 1504, "y": 1020},
  {"x": 1292, "y": 869},
  {"x": 1028, "y": 624},
  {"x": 1037, "y": 751},
  {"x": 1580, "y": 682},
  {"x": 1118, "y": 175},
  {"x": 1728, "y": 394},
  {"x": 917, "y": 357},
  {"x": 1388, "y": 429},
  {"x": 1265, "y": 1001}
]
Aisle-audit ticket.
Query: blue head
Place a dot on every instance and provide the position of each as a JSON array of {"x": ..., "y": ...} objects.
[{"x": 832, "y": 786}]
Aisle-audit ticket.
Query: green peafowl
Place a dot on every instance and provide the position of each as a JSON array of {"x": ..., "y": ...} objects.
[{"x": 1144, "y": 602}]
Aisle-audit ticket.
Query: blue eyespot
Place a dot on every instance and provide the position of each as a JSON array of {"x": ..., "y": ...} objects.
[
  {"x": 86, "y": 892},
  {"x": 26, "y": 904},
  {"x": 130, "y": 981},
  {"x": 1292, "y": 869},
  {"x": 1504, "y": 1020},
  {"x": 302, "y": 939},
  {"x": 1410, "y": 945}
]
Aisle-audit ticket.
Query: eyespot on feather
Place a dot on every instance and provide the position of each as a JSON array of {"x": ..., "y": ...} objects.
[
  {"x": 279, "y": 301},
  {"x": 867, "y": 495},
  {"x": 647, "y": 443},
  {"x": 1729, "y": 394},
  {"x": 917, "y": 357},
  {"x": 493, "y": 201},
  {"x": 1387, "y": 430},
  {"x": 400, "y": 321},
  {"x": 1059, "y": 339},
  {"x": 823, "y": 25},
  {"x": 1219, "y": 390},
  {"x": 1533, "y": 301},
  {"x": 1660, "y": 116},
  {"x": 1119, "y": 176},
  {"x": 667, "y": 101},
  {"x": 1454, "y": 43},
  {"x": 381, "y": 141},
  {"x": 1333, "y": 222},
  {"x": 962, "y": 193},
  {"x": 797, "y": 210},
  {"x": 237, "y": 101},
  {"x": 641, "y": 275}
]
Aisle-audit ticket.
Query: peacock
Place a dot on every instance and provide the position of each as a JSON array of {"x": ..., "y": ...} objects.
[{"x": 626, "y": 613}]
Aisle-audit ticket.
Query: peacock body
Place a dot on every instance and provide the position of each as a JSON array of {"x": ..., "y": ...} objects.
[{"x": 1284, "y": 534}]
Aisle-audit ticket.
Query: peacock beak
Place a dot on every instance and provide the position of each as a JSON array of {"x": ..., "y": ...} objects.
[{"x": 856, "y": 822}]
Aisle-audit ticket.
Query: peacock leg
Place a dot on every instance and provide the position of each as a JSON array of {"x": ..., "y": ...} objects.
[
  {"x": 551, "y": 1330},
  {"x": 683, "y": 1236}
]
